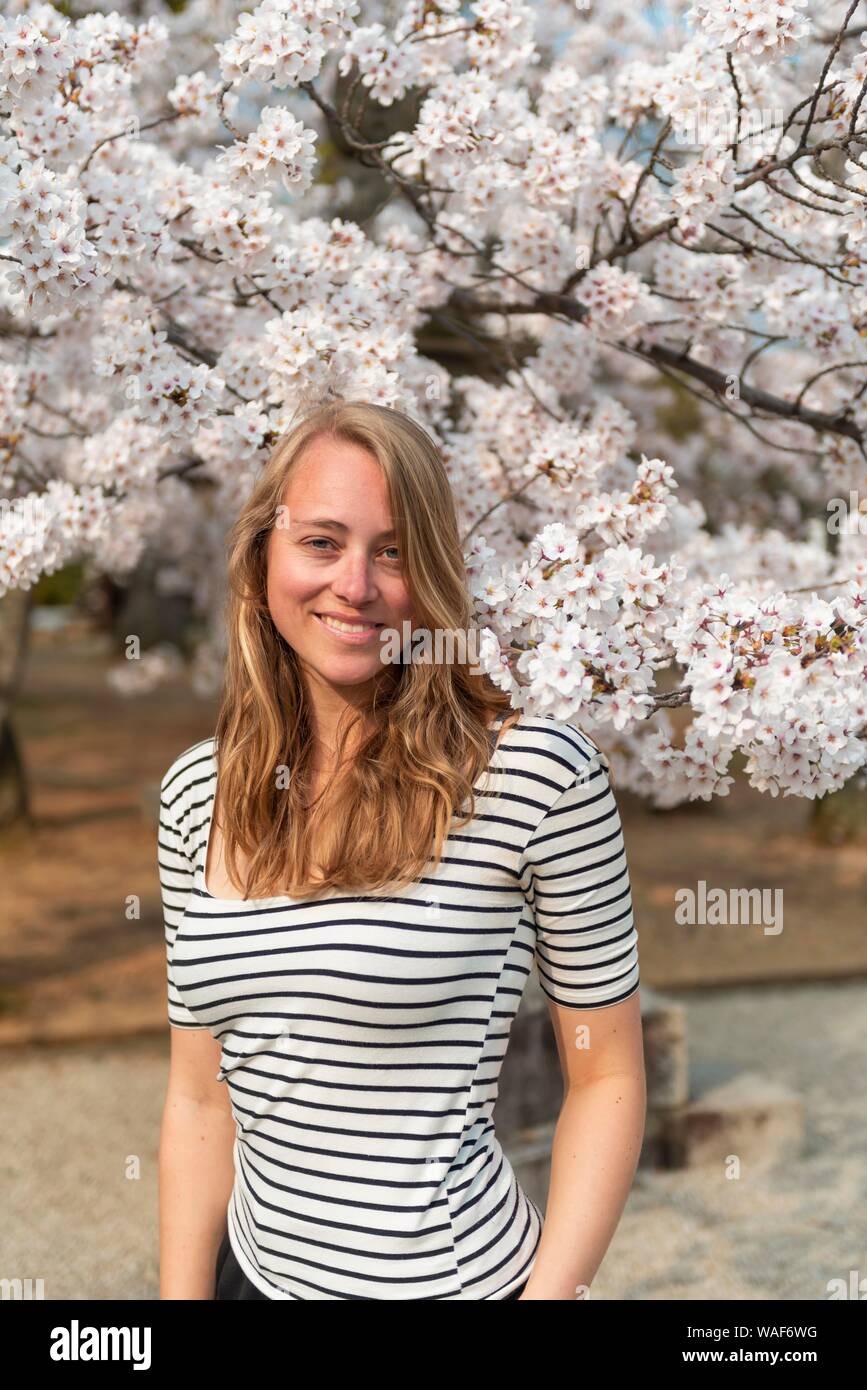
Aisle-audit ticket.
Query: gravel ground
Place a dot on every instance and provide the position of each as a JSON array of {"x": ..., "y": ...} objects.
[{"x": 79, "y": 1180}]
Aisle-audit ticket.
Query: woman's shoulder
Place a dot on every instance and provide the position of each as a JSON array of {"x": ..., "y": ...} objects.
[
  {"x": 190, "y": 777},
  {"x": 557, "y": 752}
]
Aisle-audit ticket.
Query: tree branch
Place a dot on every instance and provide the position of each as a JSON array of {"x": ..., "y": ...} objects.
[
  {"x": 778, "y": 406},
  {"x": 661, "y": 356}
]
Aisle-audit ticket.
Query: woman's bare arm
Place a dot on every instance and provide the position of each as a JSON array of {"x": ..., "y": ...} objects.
[
  {"x": 196, "y": 1171},
  {"x": 596, "y": 1144}
]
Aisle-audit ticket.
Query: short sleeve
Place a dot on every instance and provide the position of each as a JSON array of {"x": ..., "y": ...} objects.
[
  {"x": 576, "y": 883},
  {"x": 176, "y": 871}
]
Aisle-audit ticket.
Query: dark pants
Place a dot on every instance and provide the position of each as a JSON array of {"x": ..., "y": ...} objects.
[{"x": 232, "y": 1282}]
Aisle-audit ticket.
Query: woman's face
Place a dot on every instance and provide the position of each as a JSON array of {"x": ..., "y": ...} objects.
[{"x": 332, "y": 556}]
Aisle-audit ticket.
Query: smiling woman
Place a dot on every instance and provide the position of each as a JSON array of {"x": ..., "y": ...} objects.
[
  {"x": 358, "y": 869},
  {"x": 348, "y": 580},
  {"x": 349, "y": 534}
]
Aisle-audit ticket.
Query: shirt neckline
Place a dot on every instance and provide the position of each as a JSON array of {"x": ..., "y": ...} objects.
[{"x": 283, "y": 897}]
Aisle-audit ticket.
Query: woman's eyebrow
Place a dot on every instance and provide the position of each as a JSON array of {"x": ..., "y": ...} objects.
[{"x": 336, "y": 525}]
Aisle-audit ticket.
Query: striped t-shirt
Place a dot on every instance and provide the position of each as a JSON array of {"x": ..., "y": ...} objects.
[{"x": 362, "y": 1037}]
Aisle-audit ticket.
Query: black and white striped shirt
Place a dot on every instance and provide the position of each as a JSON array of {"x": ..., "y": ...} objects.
[{"x": 362, "y": 1037}]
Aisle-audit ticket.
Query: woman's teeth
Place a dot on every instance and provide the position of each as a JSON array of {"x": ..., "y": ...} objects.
[{"x": 347, "y": 627}]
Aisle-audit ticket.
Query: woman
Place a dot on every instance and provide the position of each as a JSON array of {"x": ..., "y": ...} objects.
[{"x": 350, "y": 923}]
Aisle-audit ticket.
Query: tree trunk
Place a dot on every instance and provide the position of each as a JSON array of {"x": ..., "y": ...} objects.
[
  {"x": 14, "y": 628},
  {"x": 839, "y": 818}
]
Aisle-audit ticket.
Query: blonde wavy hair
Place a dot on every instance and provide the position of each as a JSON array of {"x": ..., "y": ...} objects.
[{"x": 392, "y": 803}]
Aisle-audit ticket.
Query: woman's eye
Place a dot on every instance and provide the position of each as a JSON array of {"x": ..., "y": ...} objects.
[{"x": 314, "y": 542}]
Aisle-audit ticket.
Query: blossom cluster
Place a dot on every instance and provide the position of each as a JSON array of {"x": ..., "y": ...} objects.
[{"x": 647, "y": 226}]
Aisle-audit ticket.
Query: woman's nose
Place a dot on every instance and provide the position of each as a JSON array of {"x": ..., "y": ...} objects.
[{"x": 354, "y": 579}]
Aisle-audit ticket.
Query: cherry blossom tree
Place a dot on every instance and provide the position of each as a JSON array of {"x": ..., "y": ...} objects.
[{"x": 636, "y": 216}]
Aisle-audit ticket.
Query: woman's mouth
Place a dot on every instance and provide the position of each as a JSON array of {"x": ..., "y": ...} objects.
[{"x": 350, "y": 632}]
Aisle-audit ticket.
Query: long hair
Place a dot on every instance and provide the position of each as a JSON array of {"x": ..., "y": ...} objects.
[{"x": 424, "y": 739}]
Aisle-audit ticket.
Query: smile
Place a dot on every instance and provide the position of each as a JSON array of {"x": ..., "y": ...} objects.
[{"x": 348, "y": 632}]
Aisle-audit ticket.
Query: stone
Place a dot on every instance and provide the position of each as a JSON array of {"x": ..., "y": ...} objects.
[
  {"x": 749, "y": 1117},
  {"x": 666, "y": 1061}
]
